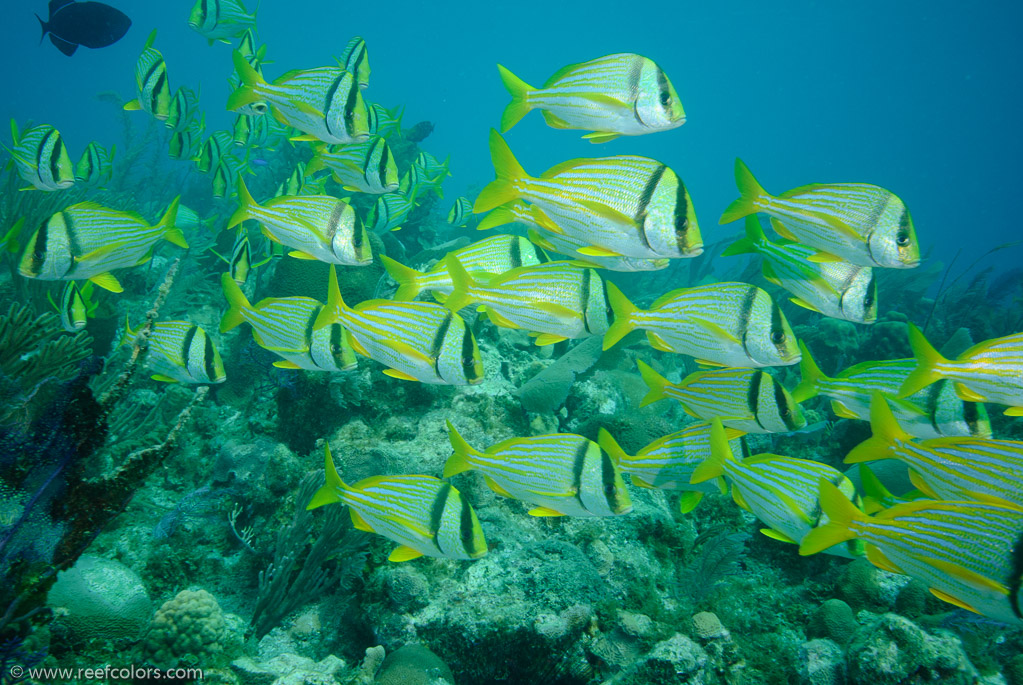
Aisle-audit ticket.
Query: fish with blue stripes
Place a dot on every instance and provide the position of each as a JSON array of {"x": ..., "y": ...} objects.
[
  {"x": 186, "y": 145},
  {"x": 285, "y": 326},
  {"x": 41, "y": 158},
  {"x": 481, "y": 260},
  {"x": 96, "y": 165},
  {"x": 781, "y": 491},
  {"x": 180, "y": 352},
  {"x": 184, "y": 109},
  {"x": 723, "y": 324},
  {"x": 460, "y": 212},
  {"x": 423, "y": 514},
  {"x": 621, "y": 206},
  {"x": 382, "y": 121},
  {"x": 860, "y": 223},
  {"x": 366, "y": 167},
  {"x": 218, "y": 20},
  {"x": 355, "y": 58},
  {"x": 151, "y": 83},
  {"x": 416, "y": 341},
  {"x": 990, "y": 371},
  {"x": 956, "y": 468},
  {"x": 76, "y": 306},
  {"x": 559, "y": 475},
  {"x": 553, "y": 301},
  {"x": 836, "y": 289},
  {"x": 87, "y": 241},
  {"x": 968, "y": 553},
  {"x": 318, "y": 227},
  {"x": 668, "y": 462},
  {"x": 749, "y": 400},
  {"x": 389, "y": 212},
  {"x": 933, "y": 412},
  {"x": 616, "y": 95}
]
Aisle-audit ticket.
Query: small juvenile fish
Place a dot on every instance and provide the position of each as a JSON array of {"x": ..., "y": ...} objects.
[
  {"x": 417, "y": 341},
  {"x": 355, "y": 58},
  {"x": 554, "y": 301},
  {"x": 180, "y": 352},
  {"x": 366, "y": 167},
  {"x": 383, "y": 122},
  {"x": 836, "y": 289},
  {"x": 389, "y": 212},
  {"x": 966, "y": 552},
  {"x": 213, "y": 150},
  {"x": 220, "y": 19},
  {"x": 87, "y": 241},
  {"x": 560, "y": 474},
  {"x": 621, "y": 206},
  {"x": 780, "y": 491},
  {"x": 96, "y": 166},
  {"x": 956, "y": 468},
  {"x": 154, "y": 91},
  {"x": 284, "y": 326},
  {"x": 460, "y": 212},
  {"x": 41, "y": 158},
  {"x": 417, "y": 177},
  {"x": 319, "y": 227},
  {"x": 990, "y": 371},
  {"x": 934, "y": 412},
  {"x": 423, "y": 514},
  {"x": 668, "y": 463},
  {"x": 749, "y": 400},
  {"x": 615, "y": 95},
  {"x": 723, "y": 324},
  {"x": 225, "y": 177},
  {"x": 296, "y": 183},
  {"x": 187, "y": 144},
  {"x": 239, "y": 263},
  {"x": 481, "y": 260},
  {"x": 861, "y": 223},
  {"x": 184, "y": 109},
  {"x": 73, "y": 310}
]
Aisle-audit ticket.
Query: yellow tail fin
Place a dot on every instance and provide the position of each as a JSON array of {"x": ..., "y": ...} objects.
[
  {"x": 236, "y": 301},
  {"x": 747, "y": 244},
  {"x": 460, "y": 460},
  {"x": 885, "y": 429},
  {"x": 498, "y": 217},
  {"x": 330, "y": 491},
  {"x": 519, "y": 106},
  {"x": 245, "y": 94},
  {"x": 811, "y": 375},
  {"x": 613, "y": 449},
  {"x": 841, "y": 514},
  {"x": 335, "y": 307},
  {"x": 623, "y": 311},
  {"x": 749, "y": 192},
  {"x": 508, "y": 170},
  {"x": 926, "y": 359},
  {"x": 406, "y": 277},
  {"x": 720, "y": 453},
  {"x": 655, "y": 381},
  {"x": 462, "y": 283},
  {"x": 245, "y": 202}
]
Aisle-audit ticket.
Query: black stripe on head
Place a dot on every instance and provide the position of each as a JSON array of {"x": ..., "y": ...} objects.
[
  {"x": 334, "y": 221},
  {"x": 438, "y": 341},
  {"x": 870, "y": 297},
  {"x": 337, "y": 342},
  {"x": 58, "y": 147},
  {"x": 350, "y": 101},
  {"x": 746, "y": 315},
  {"x": 778, "y": 334},
  {"x": 208, "y": 359},
  {"x": 744, "y": 444},
  {"x": 205, "y": 11},
  {"x": 186, "y": 343},
  {"x": 646, "y": 196},
  {"x": 753, "y": 395},
  {"x": 607, "y": 480},
  {"x": 47, "y": 163},
  {"x": 38, "y": 249},
  {"x": 374, "y": 124},
  {"x": 784, "y": 403},
  {"x": 330, "y": 98},
  {"x": 437, "y": 509},
  {"x": 541, "y": 256},
  {"x": 468, "y": 355},
  {"x": 158, "y": 88},
  {"x": 681, "y": 216},
  {"x": 515, "y": 252},
  {"x": 971, "y": 414},
  {"x": 584, "y": 297},
  {"x": 466, "y": 533},
  {"x": 578, "y": 464},
  {"x": 931, "y": 402},
  {"x": 385, "y": 156},
  {"x": 358, "y": 231},
  {"x": 663, "y": 89},
  {"x": 1016, "y": 578}
]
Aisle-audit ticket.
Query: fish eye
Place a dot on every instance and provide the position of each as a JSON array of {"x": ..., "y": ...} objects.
[
  {"x": 610, "y": 489},
  {"x": 778, "y": 337},
  {"x": 902, "y": 238},
  {"x": 259, "y": 107},
  {"x": 665, "y": 98}
]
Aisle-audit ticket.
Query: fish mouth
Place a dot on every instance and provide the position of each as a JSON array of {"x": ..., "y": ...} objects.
[{"x": 693, "y": 251}]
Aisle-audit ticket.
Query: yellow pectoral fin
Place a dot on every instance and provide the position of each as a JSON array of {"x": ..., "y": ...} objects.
[
  {"x": 775, "y": 535},
  {"x": 107, "y": 281},
  {"x": 609, "y": 213},
  {"x": 554, "y": 121},
  {"x": 164, "y": 379},
  {"x": 544, "y": 511},
  {"x": 306, "y": 108},
  {"x": 737, "y": 496},
  {"x": 878, "y": 558},
  {"x": 99, "y": 253},
  {"x": 284, "y": 364},
  {"x": 133, "y": 106},
  {"x": 360, "y": 523},
  {"x": 783, "y": 230},
  {"x": 1014, "y": 411},
  {"x": 549, "y": 339},
  {"x": 302, "y": 255},
  {"x": 707, "y": 364},
  {"x": 499, "y": 320},
  {"x": 824, "y": 258},
  {"x": 920, "y": 484},
  {"x": 496, "y": 487},
  {"x": 404, "y": 553},
  {"x": 600, "y": 137},
  {"x": 688, "y": 501},
  {"x": 305, "y": 138},
  {"x": 717, "y": 331},
  {"x": 640, "y": 483},
  {"x": 596, "y": 251},
  {"x": 802, "y": 303},
  {"x": 945, "y": 597},
  {"x": 842, "y": 411},
  {"x": 968, "y": 394},
  {"x": 659, "y": 343},
  {"x": 401, "y": 375}
]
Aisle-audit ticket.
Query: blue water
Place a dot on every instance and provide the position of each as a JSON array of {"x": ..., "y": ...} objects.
[{"x": 919, "y": 97}]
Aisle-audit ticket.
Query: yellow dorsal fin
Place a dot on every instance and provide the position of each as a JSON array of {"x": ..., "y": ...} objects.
[{"x": 945, "y": 597}]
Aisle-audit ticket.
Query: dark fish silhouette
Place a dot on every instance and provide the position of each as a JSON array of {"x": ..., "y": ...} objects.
[{"x": 91, "y": 24}]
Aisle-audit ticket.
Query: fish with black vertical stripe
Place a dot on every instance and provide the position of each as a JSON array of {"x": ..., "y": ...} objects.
[
  {"x": 180, "y": 352},
  {"x": 366, "y": 167},
  {"x": 41, "y": 158},
  {"x": 151, "y": 83}
]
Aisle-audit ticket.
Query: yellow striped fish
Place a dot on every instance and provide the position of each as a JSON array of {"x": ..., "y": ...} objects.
[
  {"x": 615, "y": 95},
  {"x": 560, "y": 474},
  {"x": 460, "y": 212},
  {"x": 74, "y": 308},
  {"x": 423, "y": 514},
  {"x": 389, "y": 211},
  {"x": 554, "y": 301},
  {"x": 41, "y": 158},
  {"x": 724, "y": 324},
  {"x": 154, "y": 91},
  {"x": 780, "y": 491},
  {"x": 285, "y": 326},
  {"x": 383, "y": 122},
  {"x": 749, "y": 400},
  {"x": 968, "y": 553},
  {"x": 481, "y": 260},
  {"x": 88, "y": 241},
  {"x": 213, "y": 150},
  {"x": 187, "y": 144},
  {"x": 990, "y": 371},
  {"x": 297, "y": 184},
  {"x": 355, "y": 58},
  {"x": 621, "y": 206},
  {"x": 934, "y": 412},
  {"x": 668, "y": 463},
  {"x": 184, "y": 109},
  {"x": 220, "y": 19},
  {"x": 180, "y": 352},
  {"x": 836, "y": 289},
  {"x": 366, "y": 167},
  {"x": 96, "y": 165},
  {"x": 324, "y": 103},
  {"x": 956, "y": 468},
  {"x": 417, "y": 341},
  {"x": 318, "y": 227},
  {"x": 861, "y": 223}
]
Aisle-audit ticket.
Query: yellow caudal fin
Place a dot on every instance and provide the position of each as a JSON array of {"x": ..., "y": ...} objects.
[
  {"x": 811, "y": 375},
  {"x": 927, "y": 358},
  {"x": 654, "y": 381},
  {"x": 623, "y": 312},
  {"x": 841, "y": 514},
  {"x": 613, "y": 449},
  {"x": 172, "y": 233},
  {"x": 330, "y": 491},
  {"x": 245, "y": 203},
  {"x": 461, "y": 460},
  {"x": 885, "y": 429},
  {"x": 749, "y": 192},
  {"x": 236, "y": 303},
  {"x": 875, "y": 494},
  {"x": 335, "y": 308},
  {"x": 720, "y": 453},
  {"x": 507, "y": 169},
  {"x": 245, "y": 94},
  {"x": 406, "y": 277},
  {"x": 499, "y": 216},
  {"x": 519, "y": 106},
  {"x": 462, "y": 283},
  {"x": 747, "y": 244}
]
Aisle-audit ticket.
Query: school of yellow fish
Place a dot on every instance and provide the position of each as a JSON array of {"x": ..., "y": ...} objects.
[{"x": 960, "y": 531}]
